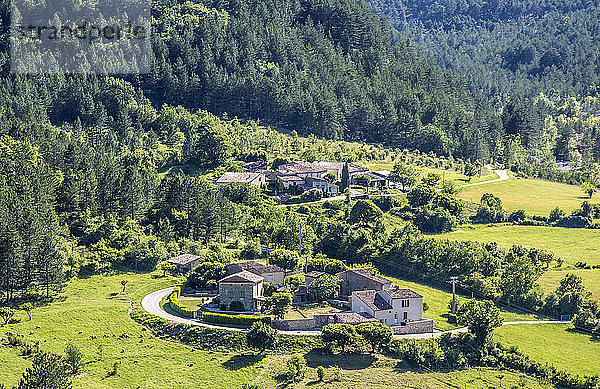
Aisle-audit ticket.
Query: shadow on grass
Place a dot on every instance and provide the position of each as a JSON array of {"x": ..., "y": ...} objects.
[
  {"x": 593, "y": 338},
  {"x": 345, "y": 361},
  {"x": 242, "y": 361}
]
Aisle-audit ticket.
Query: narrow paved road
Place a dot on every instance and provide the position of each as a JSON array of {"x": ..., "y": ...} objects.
[
  {"x": 151, "y": 303},
  {"x": 502, "y": 176}
]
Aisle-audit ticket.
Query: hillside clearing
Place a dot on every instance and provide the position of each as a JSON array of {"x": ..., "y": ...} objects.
[
  {"x": 571, "y": 244},
  {"x": 555, "y": 344},
  {"x": 536, "y": 197}
]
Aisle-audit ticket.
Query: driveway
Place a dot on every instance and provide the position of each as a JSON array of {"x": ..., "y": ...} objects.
[{"x": 151, "y": 303}]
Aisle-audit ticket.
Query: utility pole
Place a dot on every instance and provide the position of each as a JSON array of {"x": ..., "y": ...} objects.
[{"x": 453, "y": 281}]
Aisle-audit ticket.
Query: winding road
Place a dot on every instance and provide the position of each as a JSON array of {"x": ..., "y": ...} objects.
[{"x": 151, "y": 303}]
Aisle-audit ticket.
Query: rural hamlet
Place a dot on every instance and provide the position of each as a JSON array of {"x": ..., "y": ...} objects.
[{"x": 300, "y": 194}]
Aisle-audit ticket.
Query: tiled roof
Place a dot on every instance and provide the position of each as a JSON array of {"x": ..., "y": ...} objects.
[
  {"x": 353, "y": 317},
  {"x": 229, "y": 177},
  {"x": 183, "y": 259},
  {"x": 399, "y": 293},
  {"x": 368, "y": 273},
  {"x": 243, "y": 277},
  {"x": 258, "y": 267},
  {"x": 300, "y": 167},
  {"x": 315, "y": 274},
  {"x": 372, "y": 300}
]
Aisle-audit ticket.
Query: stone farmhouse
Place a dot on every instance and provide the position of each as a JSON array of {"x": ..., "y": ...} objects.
[
  {"x": 269, "y": 273},
  {"x": 185, "y": 262},
  {"x": 361, "y": 279},
  {"x": 401, "y": 309},
  {"x": 245, "y": 287},
  {"x": 302, "y": 174}
]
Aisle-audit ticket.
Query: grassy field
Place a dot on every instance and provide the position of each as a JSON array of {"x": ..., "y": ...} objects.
[
  {"x": 590, "y": 277},
  {"x": 556, "y": 344},
  {"x": 536, "y": 197},
  {"x": 570, "y": 244},
  {"x": 438, "y": 300},
  {"x": 95, "y": 306},
  {"x": 378, "y": 372}
]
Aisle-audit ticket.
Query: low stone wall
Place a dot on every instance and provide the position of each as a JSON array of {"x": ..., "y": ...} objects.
[
  {"x": 414, "y": 327},
  {"x": 294, "y": 324}
]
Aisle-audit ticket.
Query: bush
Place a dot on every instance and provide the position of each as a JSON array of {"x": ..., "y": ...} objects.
[
  {"x": 321, "y": 373},
  {"x": 73, "y": 358},
  {"x": 237, "y": 306},
  {"x": 269, "y": 288},
  {"x": 376, "y": 334},
  {"x": 261, "y": 336},
  {"x": 239, "y": 320},
  {"x": 517, "y": 216},
  {"x": 296, "y": 368},
  {"x": 338, "y": 335},
  {"x": 177, "y": 306}
]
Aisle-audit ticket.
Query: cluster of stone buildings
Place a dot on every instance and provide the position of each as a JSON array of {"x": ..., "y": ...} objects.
[
  {"x": 321, "y": 175},
  {"x": 370, "y": 296}
]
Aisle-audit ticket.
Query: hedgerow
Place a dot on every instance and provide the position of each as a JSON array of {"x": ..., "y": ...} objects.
[
  {"x": 239, "y": 320},
  {"x": 177, "y": 306}
]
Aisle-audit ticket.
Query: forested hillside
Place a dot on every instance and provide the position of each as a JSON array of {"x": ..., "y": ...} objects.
[
  {"x": 506, "y": 49},
  {"x": 318, "y": 67}
]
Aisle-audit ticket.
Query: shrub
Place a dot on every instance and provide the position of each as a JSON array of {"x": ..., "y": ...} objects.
[
  {"x": 321, "y": 373},
  {"x": 237, "y": 306},
  {"x": 269, "y": 288},
  {"x": 338, "y": 335},
  {"x": 296, "y": 368},
  {"x": 261, "y": 336},
  {"x": 376, "y": 334},
  {"x": 73, "y": 358},
  {"x": 239, "y": 320}
]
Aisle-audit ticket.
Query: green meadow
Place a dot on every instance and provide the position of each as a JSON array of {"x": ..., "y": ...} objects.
[
  {"x": 556, "y": 344},
  {"x": 571, "y": 244},
  {"x": 97, "y": 307},
  {"x": 536, "y": 197}
]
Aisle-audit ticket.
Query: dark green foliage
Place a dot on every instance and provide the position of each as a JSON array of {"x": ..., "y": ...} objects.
[
  {"x": 237, "y": 306},
  {"x": 49, "y": 371},
  {"x": 376, "y": 334},
  {"x": 339, "y": 336},
  {"x": 324, "y": 288},
  {"x": 285, "y": 259},
  {"x": 205, "y": 272},
  {"x": 296, "y": 368},
  {"x": 261, "y": 336},
  {"x": 278, "y": 304},
  {"x": 73, "y": 358},
  {"x": 366, "y": 213},
  {"x": 482, "y": 317},
  {"x": 239, "y": 320},
  {"x": 324, "y": 264},
  {"x": 268, "y": 289}
]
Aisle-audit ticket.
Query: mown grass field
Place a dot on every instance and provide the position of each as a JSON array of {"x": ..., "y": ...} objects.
[
  {"x": 571, "y": 244},
  {"x": 378, "y": 372},
  {"x": 536, "y": 197},
  {"x": 438, "y": 300},
  {"x": 590, "y": 277},
  {"x": 95, "y": 306},
  {"x": 555, "y": 344}
]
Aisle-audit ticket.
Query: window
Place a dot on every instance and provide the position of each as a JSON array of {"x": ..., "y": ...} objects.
[
  {"x": 242, "y": 294},
  {"x": 405, "y": 303},
  {"x": 405, "y": 315},
  {"x": 231, "y": 294},
  {"x": 270, "y": 277}
]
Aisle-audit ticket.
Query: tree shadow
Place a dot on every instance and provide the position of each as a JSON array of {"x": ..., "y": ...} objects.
[
  {"x": 242, "y": 361},
  {"x": 345, "y": 361}
]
